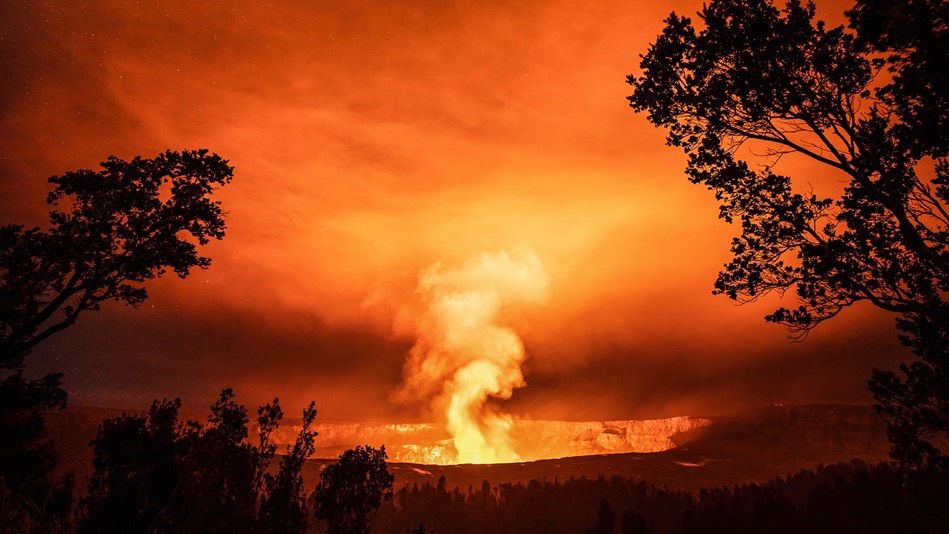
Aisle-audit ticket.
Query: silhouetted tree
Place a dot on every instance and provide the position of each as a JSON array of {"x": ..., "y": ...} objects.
[
  {"x": 156, "y": 473},
  {"x": 352, "y": 488},
  {"x": 633, "y": 523},
  {"x": 420, "y": 529},
  {"x": 109, "y": 232},
  {"x": 283, "y": 506},
  {"x": 781, "y": 82},
  {"x": 605, "y": 519},
  {"x": 912, "y": 35},
  {"x": 29, "y": 500}
]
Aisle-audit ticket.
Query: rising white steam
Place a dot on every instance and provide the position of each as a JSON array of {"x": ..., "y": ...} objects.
[{"x": 464, "y": 356}]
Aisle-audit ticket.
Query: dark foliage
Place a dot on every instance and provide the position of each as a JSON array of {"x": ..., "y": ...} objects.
[
  {"x": 841, "y": 498},
  {"x": 28, "y": 498},
  {"x": 352, "y": 488},
  {"x": 605, "y": 519},
  {"x": 156, "y": 474},
  {"x": 109, "y": 232},
  {"x": 420, "y": 529},
  {"x": 283, "y": 504},
  {"x": 756, "y": 80},
  {"x": 913, "y": 36}
]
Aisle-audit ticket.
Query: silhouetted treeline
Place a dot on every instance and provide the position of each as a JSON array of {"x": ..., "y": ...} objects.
[
  {"x": 850, "y": 497},
  {"x": 160, "y": 474},
  {"x": 156, "y": 473}
]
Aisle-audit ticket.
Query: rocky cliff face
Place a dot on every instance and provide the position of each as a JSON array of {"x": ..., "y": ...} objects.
[
  {"x": 532, "y": 439},
  {"x": 756, "y": 445},
  {"x": 536, "y": 440},
  {"x": 807, "y": 434},
  {"x": 695, "y": 452}
]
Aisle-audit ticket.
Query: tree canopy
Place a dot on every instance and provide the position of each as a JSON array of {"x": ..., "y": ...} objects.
[
  {"x": 352, "y": 488},
  {"x": 159, "y": 474},
  {"x": 750, "y": 83},
  {"x": 109, "y": 231}
]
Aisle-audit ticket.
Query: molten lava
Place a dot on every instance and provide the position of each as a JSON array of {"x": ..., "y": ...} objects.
[{"x": 463, "y": 357}]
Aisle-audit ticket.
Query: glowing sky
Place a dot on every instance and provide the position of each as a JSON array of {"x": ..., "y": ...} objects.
[{"x": 371, "y": 140}]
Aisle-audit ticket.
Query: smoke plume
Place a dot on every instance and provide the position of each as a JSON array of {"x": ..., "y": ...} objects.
[{"x": 464, "y": 356}]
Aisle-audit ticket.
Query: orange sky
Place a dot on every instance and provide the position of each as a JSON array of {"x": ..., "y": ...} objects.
[{"x": 371, "y": 140}]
